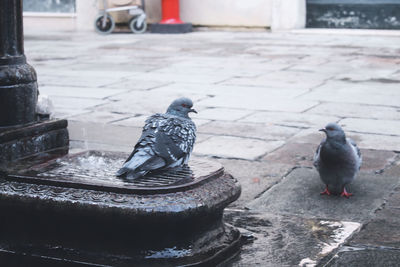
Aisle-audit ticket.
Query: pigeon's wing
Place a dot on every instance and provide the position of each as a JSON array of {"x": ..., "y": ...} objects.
[
  {"x": 317, "y": 155},
  {"x": 143, "y": 157},
  {"x": 148, "y": 134},
  {"x": 175, "y": 140},
  {"x": 356, "y": 150}
]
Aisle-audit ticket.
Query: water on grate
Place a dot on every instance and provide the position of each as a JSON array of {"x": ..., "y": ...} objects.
[{"x": 100, "y": 167}]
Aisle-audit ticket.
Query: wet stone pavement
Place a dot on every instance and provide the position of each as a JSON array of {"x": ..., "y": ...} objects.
[{"x": 261, "y": 98}]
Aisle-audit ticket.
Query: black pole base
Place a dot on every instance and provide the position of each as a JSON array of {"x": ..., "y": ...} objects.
[
  {"x": 19, "y": 142},
  {"x": 18, "y": 92},
  {"x": 171, "y": 28}
]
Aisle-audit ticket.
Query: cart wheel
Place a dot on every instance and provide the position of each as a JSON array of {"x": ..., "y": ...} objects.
[
  {"x": 134, "y": 25},
  {"x": 108, "y": 27}
]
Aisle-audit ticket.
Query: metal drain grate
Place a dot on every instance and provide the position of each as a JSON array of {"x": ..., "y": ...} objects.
[{"x": 172, "y": 177}]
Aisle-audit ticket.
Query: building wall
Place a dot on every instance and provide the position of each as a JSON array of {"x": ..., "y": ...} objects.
[
  {"x": 275, "y": 14},
  {"x": 250, "y": 13},
  {"x": 288, "y": 14},
  {"x": 49, "y": 22}
]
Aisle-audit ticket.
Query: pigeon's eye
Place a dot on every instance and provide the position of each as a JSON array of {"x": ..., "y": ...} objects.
[
  {"x": 329, "y": 129},
  {"x": 183, "y": 105}
]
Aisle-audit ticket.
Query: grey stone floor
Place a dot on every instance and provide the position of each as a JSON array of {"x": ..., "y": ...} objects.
[{"x": 261, "y": 98}]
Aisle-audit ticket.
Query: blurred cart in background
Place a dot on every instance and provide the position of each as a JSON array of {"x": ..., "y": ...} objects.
[{"x": 121, "y": 11}]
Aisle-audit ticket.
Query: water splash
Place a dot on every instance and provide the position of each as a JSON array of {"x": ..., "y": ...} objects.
[
  {"x": 91, "y": 167},
  {"x": 169, "y": 253}
]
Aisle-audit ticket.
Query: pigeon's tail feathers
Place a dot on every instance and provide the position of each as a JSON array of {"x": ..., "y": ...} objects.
[
  {"x": 131, "y": 174},
  {"x": 122, "y": 172},
  {"x": 136, "y": 160},
  {"x": 153, "y": 163},
  {"x": 134, "y": 174},
  {"x": 137, "y": 166}
]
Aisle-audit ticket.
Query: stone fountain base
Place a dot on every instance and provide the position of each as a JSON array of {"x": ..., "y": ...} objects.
[
  {"x": 18, "y": 142},
  {"x": 73, "y": 210}
]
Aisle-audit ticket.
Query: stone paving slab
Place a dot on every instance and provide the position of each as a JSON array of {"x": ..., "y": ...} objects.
[
  {"x": 237, "y": 91},
  {"x": 367, "y": 74},
  {"x": 260, "y": 102},
  {"x": 395, "y": 76},
  {"x": 65, "y": 113},
  {"x": 383, "y": 229},
  {"x": 215, "y": 68},
  {"x": 312, "y": 136},
  {"x": 377, "y": 142},
  {"x": 89, "y": 73},
  {"x": 171, "y": 77},
  {"x": 202, "y": 137},
  {"x": 76, "y": 103},
  {"x": 384, "y": 127},
  {"x": 77, "y": 146},
  {"x": 292, "y": 154},
  {"x": 254, "y": 177},
  {"x": 356, "y": 111},
  {"x": 134, "y": 83},
  {"x": 300, "y": 120},
  {"x": 365, "y": 257},
  {"x": 222, "y": 114},
  {"x": 327, "y": 68},
  {"x": 104, "y": 134},
  {"x": 77, "y": 80},
  {"x": 116, "y": 66},
  {"x": 101, "y": 117},
  {"x": 235, "y": 147},
  {"x": 362, "y": 93},
  {"x": 131, "y": 121},
  {"x": 249, "y": 130},
  {"x": 280, "y": 80},
  {"x": 80, "y": 92}
]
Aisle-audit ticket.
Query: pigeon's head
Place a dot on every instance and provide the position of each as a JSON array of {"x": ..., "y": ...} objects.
[
  {"x": 181, "y": 107},
  {"x": 334, "y": 132}
]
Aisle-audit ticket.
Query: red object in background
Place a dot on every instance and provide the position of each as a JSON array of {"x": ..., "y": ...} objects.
[{"x": 170, "y": 12}]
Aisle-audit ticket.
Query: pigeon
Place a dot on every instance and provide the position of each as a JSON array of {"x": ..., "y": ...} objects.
[
  {"x": 338, "y": 160},
  {"x": 167, "y": 141}
]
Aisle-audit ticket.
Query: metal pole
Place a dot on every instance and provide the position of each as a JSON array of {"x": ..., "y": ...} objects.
[{"x": 18, "y": 87}]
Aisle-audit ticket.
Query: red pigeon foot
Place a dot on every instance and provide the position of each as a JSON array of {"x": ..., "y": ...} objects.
[
  {"x": 345, "y": 194},
  {"x": 326, "y": 192}
]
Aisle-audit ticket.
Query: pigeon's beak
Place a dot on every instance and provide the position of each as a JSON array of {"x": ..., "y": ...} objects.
[
  {"x": 322, "y": 130},
  {"x": 193, "y": 110}
]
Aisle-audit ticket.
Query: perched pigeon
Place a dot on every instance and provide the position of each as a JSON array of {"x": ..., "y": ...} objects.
[
  {"x": 166, "y": 142},
  {"x": 337, "y": 159}
]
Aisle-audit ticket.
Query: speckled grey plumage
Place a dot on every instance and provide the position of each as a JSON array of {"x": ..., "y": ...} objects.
[
  {"x": 337, "y": 159},
  {"x": 167, "y": 141}
]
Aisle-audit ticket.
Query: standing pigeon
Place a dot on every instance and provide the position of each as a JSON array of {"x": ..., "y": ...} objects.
[
  {"x": 166, "y": 142},
  {"x": 337, "y": 159}
]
